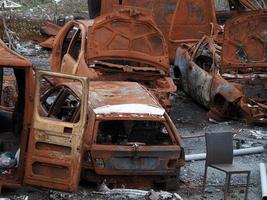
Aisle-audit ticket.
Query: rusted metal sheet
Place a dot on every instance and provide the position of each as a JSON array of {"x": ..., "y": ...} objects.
[
  {"x": 111, "y": 51},
  {"x": 244, "y": 61},
  {"x": 179, "y": 20},
  {"x": 55, "y": 152},
  {"x": 24, "y": 80},
  {"x": 117, "y": 150},
  {"x": 202, "y": 81},
  {"x": 245, "y": 42},
  {"x": 237, "y": 70},
  {"x": 162, "y": 10},
  {"x": 129, "y": 103},
  {"x": 11, "y": 58},
  {"x": 192, "y": 20},
  {"x": 48, "y": 43},
  {"x": 131, "y": 34},
  {"x": 49, "y": 28}
]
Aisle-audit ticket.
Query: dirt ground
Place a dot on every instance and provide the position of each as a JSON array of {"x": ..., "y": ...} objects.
[{"x": 191, "y": 119}]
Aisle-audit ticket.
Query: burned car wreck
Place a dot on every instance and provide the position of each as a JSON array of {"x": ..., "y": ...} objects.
[
  {"x": 230, "y": 79},
  {"x": 128, "y": 135},
  {"x": 120, "y": 132},
  {"x": 125, "y": 45}
]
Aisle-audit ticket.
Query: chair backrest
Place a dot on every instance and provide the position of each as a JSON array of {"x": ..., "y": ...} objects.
[{"x": 219, "y": 148}]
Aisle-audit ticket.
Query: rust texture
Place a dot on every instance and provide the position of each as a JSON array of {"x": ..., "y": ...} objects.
[
  {"x": 179, "y": 20},
  {"x": 21, "y": 113},
  {"x": 114, "y": 157},
  {"x": 244, "y": 61},
  {"x": 115, "y": 146},
  {"x": 49, "y": 28},
  {"x": 55, "y": 151},
  {"x": 128, "y": 34},
  {"x": 229, "y": 80},
  {"x": 112, "y": 51}
]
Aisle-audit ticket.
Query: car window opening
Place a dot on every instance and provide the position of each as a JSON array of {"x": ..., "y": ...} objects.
[
  {"x": 60, "y": 104},
  {"x": 122, "y": 132}
]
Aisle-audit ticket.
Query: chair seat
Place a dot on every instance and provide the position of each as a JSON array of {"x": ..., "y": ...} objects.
[{"x": 230, "y": 168}]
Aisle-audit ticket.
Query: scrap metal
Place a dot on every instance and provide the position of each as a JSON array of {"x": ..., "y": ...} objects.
[
  {"x": 54, "y": 152},
  {"x": 10, "y": 59},
  {"x": 229, "y": 80},
  {"x": 244, "y": 61},
  {"x": 49, "y": 28},
  {"x": 179, "y": 20},
  {"x": 112, "y": 51},
  {"x": 130, "y": 162}
]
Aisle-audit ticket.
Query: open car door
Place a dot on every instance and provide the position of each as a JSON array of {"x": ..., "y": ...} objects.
[
  {"x": 192, "y": 20},
  {"x": 55, "y": 146}
]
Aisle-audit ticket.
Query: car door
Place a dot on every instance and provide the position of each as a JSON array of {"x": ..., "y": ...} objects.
[
  {"x": 70, "y": 59},
  {"x": 192, "y": 20},
  {"x": 55, "y": 145},
  {"x": 67, "y": 42}
]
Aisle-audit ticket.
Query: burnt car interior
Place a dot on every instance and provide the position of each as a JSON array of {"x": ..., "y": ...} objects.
[
  {"x": 61, "y": 104},
  {"x": 204, "y": 57},
  {"x": 123, "y": 132},
  {"x": 12, "y": 82}
]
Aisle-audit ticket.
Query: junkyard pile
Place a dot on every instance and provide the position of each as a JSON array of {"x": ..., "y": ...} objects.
[{"x": 161, "y": 74}]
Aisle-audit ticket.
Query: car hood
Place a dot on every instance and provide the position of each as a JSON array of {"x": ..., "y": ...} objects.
[
  {"x": 245, "y": 42},
  {"x": 128, "y": 34}
]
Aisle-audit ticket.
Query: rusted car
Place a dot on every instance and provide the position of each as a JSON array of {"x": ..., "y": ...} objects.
[
  {"x": 125, "y": 45},
  {"x": 229, "y": 80},
  {"x": 21, "y": 126},
  {"x": 59, "y": 131},
  {"x": 129, "y": 139}
]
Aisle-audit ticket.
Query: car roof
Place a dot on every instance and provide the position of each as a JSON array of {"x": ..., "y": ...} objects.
[{"x": 118, "y": 97}]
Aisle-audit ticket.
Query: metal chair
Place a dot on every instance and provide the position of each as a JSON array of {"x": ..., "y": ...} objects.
[{"x": 219, "y": 149}]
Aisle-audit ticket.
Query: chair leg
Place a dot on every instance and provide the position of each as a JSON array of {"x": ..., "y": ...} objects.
[
  {"x": 229, "y": 182},
  {"x": 248, "y": 178},
  {"x": 205, "y": 179},
  {"x": 226, "y": 186}
]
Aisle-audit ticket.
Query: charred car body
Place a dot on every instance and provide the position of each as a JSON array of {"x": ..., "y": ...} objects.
[
  {"x": 230, "y": 80},
  {"x": 64, "y": 133},
  {"x": 124, "y": 45},
  {"x": 128, "y": 136}
]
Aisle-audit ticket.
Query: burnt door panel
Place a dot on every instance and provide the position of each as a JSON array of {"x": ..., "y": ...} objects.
[
  {"x": 55, "y": 146},
  {"x": 192, "y": 20}
]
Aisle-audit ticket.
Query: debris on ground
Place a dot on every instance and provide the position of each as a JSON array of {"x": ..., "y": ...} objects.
[
  {"x": 117, "y": 194},
  {"x": 7, "y": 162}
]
